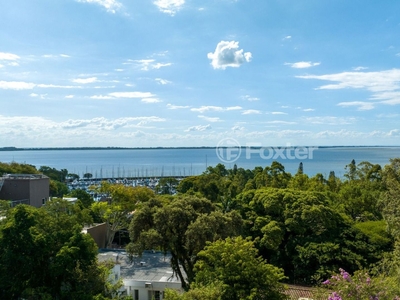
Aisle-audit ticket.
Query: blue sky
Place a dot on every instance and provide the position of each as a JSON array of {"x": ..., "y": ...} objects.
[{"x": 189, "y": 73}]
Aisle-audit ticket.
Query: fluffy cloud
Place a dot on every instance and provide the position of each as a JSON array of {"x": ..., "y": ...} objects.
[
  {"x": 112, "y": 6},
  {"x": 303, "y": 64},
  {"x": 106, "y": 124},
  {"x": 372, "y": 81},
  {"x": 199, "y": 128},
  {"x": 384, "y": 85},
  {"x": 362, "y": 105},
  {"x": 8, "y": 56},
  {"x": 251, "y": 112},
  {"x": 21, "y": 85},
  {"x": 278, "y": 113},
  {"x": 56, "y": 56},
  {"x": 151, "y": 100},
  {"x": 169, "y": 6},
  {"x": 330, "y": 120},
  {"x": 16, "y": 85},
  {"x": 249, "y": 98},
  {"x": 171, "y": 106},
  {"x": 147, "y": 64},
  {"x": 162, "y": 81},
  {"x": 227, "y": 54},
  {"x": 85, "y": 80},
  {"x": 210, "y": 119},
  {"x": 204, "y": 108}
]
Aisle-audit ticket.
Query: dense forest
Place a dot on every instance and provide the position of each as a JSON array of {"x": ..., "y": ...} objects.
[{"x": 232, "y": 233}]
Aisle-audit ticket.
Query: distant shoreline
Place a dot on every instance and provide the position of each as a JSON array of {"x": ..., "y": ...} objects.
[{"x": 160, "y": 148}]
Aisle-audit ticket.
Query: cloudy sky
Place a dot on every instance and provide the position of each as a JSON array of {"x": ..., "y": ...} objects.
[{"x": 192, "y": 72}]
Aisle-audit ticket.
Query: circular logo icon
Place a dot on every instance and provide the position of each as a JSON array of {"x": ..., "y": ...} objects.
[{"x": 228, "y": 150}]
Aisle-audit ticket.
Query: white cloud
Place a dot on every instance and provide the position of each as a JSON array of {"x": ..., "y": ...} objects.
[
  {"x": 160, "y": 65},
  {"x": 151, "y": 100},
  {"x": 280, "y": 122},
  {"x": 234, "y": 108},
  {"x": 112, "y": 6},
  {"x": 101, "y": 97},
  {"x": 106, "y": 124},
  {"x": 41, "y": 85},
  {"x": 8, "y": 56},
  {"x": 210, "y": 119},
  {"x": 85, "y": 80},
  {"x": 237, "y": 128},
  {"x": 227, "y": 54},
  {"x": 20, "y": 85},
  {"x": 359, "y": 68},
  {"x": 162, "y": 81},
  {"x": 146, "y": 96},
  {"x": 251, "y": 112},
  {"x": 171, "y": 106},
  {"x": 199, "y": 128},
  {"x": 205, "y": 108},
  {"x": 308, "y": 109},
  {"x": 131, "y": 94},
  {"x": 330, "y": 120},
  {"x": 169, "y": 6},
  {"x": 384, "y": 85},
  {"x": 288, "y": 37},
  {"x": 361, "y": 105},
  {"x": 147, "y": 64},
  {"x": 34, "y": 95},
  {"x": 16, "y": 85},
  {"x": 55, "y": 55},
  {"x": 69, "y": 96},
  {"x": 302, "y": 64},
  {"x": 249, "y": 98},
  {"x": 372, "y": 81},
  {"x": 278, "y": 113}
]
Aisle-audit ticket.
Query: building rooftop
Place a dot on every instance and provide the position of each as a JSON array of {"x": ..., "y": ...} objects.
[
  {"x": 23, "y": 176},
  {"x": 152, "y": 266}
]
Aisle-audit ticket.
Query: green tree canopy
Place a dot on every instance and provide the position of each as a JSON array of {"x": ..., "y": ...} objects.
[
  {"x": 182, "y": 228},
  {"x": 244, "y": 275},
  {"x": 43, "y": 256}
]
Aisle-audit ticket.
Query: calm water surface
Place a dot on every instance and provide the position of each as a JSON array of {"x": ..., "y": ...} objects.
[{"x": 107, "y": 163}]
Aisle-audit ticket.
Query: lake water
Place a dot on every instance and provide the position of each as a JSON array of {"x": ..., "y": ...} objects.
[{"x": 113, "y": 163}]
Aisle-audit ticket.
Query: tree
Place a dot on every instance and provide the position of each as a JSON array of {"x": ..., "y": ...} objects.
[
  {"x": 244, "y": 275},
  {"x": 84, "y": 197},
  {"x": 72, "y": 176},
  {"x": 209, "y": 292},
  {"x": 167, "y": 185},
  {"x": 300, "y": 170},
  {"x": 181, "y": 228},
  {"x": 119, "y": 208},
  {"x": 52, "y": 173},
  {"x": 351, "y": 171},
  {"x": 390, "y": 199},
  {"x": 87, "y": 175},
  {"x": 43, "y": 256}
]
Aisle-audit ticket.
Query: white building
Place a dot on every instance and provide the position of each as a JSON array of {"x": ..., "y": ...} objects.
[{"x": 146, "y": 277}]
